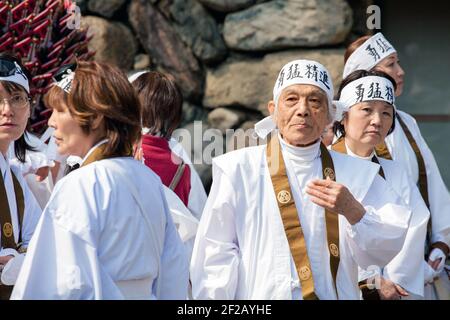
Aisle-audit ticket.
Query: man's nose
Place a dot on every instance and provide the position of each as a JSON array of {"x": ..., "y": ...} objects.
[{"x": 302, "y": 109}]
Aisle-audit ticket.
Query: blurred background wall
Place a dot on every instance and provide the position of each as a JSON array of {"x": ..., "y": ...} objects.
[{"x": 226, "y": 54}]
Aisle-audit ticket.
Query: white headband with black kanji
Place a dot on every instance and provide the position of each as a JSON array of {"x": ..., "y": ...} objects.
[
  {"x": 369, "y": 54},
  {"x": 364, "y": 89},
  {"x": 298, "y": 72},
  {"x": 66, "y": 82},
  {"x": 303, "y": 72},
  {"x": 19, "y": 78}
]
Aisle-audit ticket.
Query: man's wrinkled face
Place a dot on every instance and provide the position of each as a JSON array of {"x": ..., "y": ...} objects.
[{"x": 302, "y": 114}]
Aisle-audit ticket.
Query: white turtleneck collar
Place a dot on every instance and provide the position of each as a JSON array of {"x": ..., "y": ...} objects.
[
  {"x": 305, "y": 154},
  {"x": 352, "y": 154}
]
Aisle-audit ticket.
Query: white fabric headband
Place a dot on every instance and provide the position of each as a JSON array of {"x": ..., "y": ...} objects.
[
  {"x": 297, "y": 72},
  {"x": 19, "y": 78},
  {"x": 364, "y": 89},
  {"x": 369, "y": 54},
  {"x": 66, "y": 82},
  {"x": 303, "y": 72}
]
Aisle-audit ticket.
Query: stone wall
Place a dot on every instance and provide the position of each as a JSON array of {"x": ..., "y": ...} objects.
[{"x": 225, "y": 54}]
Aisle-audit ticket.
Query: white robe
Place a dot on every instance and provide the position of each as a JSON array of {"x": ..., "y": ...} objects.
[
  {"x": 34, "y": 160},
  {"x": 197, "y": 195},
  {"x": 407, "y": 268},
  {"x": 31, "y": 215},
  {"x": 241, "y": 250},
  {"x": 185, "y": 222},
  {"x": 106, "y": 233},
  {"x": 438, "y": 194}
]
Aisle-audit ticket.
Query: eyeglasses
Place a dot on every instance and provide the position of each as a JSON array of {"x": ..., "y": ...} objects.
[
  {"x": 64, "y": 71},
  {"x": 16, "y": 102}
]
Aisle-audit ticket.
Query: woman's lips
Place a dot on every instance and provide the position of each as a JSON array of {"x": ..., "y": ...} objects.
[
  {"x": 57, "y": 140},
  {"x": 8, "y": 125}
]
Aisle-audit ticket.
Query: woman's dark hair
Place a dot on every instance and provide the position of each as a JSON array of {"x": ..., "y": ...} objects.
[
  {"x": 161, "y": 101},
  {"x": 20, "y": 145},
  {"x": 338, "y": 127}
]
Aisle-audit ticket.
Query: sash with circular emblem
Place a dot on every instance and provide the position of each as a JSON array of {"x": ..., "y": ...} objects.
[
  {"x": 284, "y": 196},
  {"x": 7, "y": 230},
  {"x": 291, "y": 221}
]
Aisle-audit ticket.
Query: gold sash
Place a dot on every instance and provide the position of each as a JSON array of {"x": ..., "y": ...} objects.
[
  {"x": 96, "y": 155},
  {"x": 7, "y": 238},
  {"x": 339, "y": 146},
  {"x": 290, "y": 217},
  {"x": 5, "y": 215}
]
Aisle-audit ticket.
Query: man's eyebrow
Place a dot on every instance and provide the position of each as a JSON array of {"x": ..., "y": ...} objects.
[
  {"x": 290, "y": 91},
  {"x": 316, "y": 92}
]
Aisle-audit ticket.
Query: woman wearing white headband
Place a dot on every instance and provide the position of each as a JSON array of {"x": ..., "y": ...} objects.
[
  {"x": 365, "y": 116},
  {"x": 19, "y": 211},
  {"x": 407, "y": 146}
]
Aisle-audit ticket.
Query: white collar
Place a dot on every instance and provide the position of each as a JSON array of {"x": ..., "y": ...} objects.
[
  {"x": 93, "y": 148},
  {"x": 264, "y": 127},
  {"x": 4, "y": 164},
  {"x": 304, "y": 154},
  {"x": 350, "y": 153}
]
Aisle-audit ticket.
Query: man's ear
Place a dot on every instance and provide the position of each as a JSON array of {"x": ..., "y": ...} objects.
[
  {"x": 96, "y": 122},
  {"x": 271, "y": 107}
]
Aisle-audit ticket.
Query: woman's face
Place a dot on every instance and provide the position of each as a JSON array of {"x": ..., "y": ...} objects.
[
  {"x": 15, "y": 111},
  {"x": 368, "y": 123},
  {"x": 69, "y": 137},
  {"x": 391, "y": 66}
]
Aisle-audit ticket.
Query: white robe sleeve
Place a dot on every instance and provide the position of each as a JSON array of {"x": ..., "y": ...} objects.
[
  {"x": 379, "y": 235},
  {"x": 406, "y": 269},
  {"x": 215, "y": 257},
  {"x": 70, "y": 270},
  {"x": 173, "y": 279},
  {"x": 197, "y": 194}
]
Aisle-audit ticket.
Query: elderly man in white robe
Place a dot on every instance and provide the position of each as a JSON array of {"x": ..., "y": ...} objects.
[{"x": 290, "y": 219}]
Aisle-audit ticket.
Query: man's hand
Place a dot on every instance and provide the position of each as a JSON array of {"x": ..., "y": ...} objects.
[
  {"x": 336, "y": 198},
  {"x": 391, "y": 291},
  {"x": 4, "y": 260}
]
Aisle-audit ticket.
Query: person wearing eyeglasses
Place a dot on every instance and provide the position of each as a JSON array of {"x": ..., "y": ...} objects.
[
  {"x": 106, "y": 232},
  {"x": 19, "y": 211}
]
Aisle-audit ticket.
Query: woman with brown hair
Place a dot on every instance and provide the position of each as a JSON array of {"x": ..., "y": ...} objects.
[
  {"x": 162, "y": 102},
  {"x": 106, "y": 232},
  {"x": 407, "y": 146}
]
